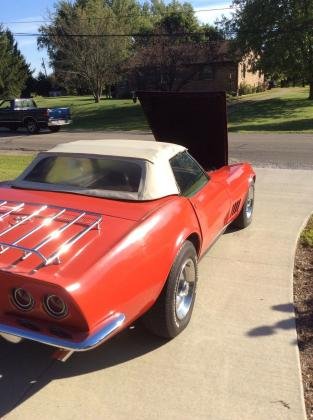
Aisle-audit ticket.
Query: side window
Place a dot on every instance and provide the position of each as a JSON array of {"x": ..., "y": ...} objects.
[
  {"x": 5, "y": 105},
  {"x": 18, "y": 104},
  {"x": 189, "y": 176}
]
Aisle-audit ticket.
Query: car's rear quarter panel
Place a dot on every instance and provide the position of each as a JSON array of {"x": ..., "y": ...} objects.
[
  {"x": 130, "y": 276},
  {"x": 235, "y": 179}
]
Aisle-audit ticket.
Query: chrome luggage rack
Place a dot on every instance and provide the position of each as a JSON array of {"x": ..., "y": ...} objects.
[{"x": 18, "y": 214}]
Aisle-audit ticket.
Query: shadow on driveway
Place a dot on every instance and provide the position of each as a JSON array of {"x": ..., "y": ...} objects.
[
  {"x": 27, "y": 367},
  {"x": 21, "y": 132},
  {"x": 285, "y": 324}
]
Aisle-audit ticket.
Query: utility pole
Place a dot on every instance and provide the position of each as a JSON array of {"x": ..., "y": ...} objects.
[{"x": 44, "y": 67}]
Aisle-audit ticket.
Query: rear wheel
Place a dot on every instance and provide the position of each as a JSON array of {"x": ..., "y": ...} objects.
[
  {"x": 172, "y": 311},
  {"x": 245, "y": 216},
  {"x": 31, "y": 126},
  {"x": 54, "y": 128}
]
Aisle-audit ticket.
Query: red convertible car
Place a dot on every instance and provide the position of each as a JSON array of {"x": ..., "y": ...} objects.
[{"x": 96, "y": 234}]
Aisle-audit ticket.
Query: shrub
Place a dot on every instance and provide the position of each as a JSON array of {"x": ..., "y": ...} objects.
[
  {"x": 246, "y": 89},
  {"x": 306, "y": 237}
]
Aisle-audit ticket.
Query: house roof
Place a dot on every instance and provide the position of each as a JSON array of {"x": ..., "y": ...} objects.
[{"x": 218, "y": 51}]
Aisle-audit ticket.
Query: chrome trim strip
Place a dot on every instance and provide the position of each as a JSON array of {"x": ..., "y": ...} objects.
[
  {"x": 31, "y": 232},
  {"x": 23, "y": 220},
  {"x": 51, "y": 235},
  {"x": 61, "y": 248},
  {"x": 5, "y": 245},
  {"x": 67, "y": 244},
  {"x": 109, "y": 326},
  {"x": 16, "y": 208},
  {"x": 54, "y": 123},
  {"x": 3, "y": 203},
  {"x": 51, "y": 206}
]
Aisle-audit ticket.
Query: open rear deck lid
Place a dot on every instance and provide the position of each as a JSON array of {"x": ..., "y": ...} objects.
[{"x": 196, "y": 120}]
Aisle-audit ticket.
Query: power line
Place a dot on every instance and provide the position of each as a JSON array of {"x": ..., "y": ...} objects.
[
  {"x": 150, "y": 34},
  {"x": 23, "y": 22},
  {"x": 142, "y": 35}
]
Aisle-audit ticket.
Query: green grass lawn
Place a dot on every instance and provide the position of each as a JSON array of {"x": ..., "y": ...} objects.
[
  {"x": 108, "y": 114},
  {"x": 278, "y": 110},
  {"x": 12, "y": 165},
  {"x": 306, "y": 237}
]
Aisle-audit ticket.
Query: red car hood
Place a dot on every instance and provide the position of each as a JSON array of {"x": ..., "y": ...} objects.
[{"x": 118, "y": 219}]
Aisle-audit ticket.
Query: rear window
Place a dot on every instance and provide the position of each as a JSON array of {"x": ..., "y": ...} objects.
[
  {"x": 24, "y": 104},
  {"x": 88, "y": 173}
]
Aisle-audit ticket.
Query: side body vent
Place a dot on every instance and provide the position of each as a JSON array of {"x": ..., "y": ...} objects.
[{"x": 235, "y": 208}]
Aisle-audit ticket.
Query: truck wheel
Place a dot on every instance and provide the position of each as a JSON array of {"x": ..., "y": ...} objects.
[
  {"x": 172, "y": 311},
  {"x": 32, "y": 126},
  {"x": 245, "y": 216},
  {"x": 54, "y": 128}
]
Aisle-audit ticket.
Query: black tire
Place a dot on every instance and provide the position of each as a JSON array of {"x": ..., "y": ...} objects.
[
  {"x": 172, "y": 311},
  {"x": 246, "y": 214},
  {"x": 31, "y": 126},
  {"x": 54, "y": 128}
]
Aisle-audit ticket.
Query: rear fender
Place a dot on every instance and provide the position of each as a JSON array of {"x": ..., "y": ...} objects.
[{"x": 130, "y": 277}]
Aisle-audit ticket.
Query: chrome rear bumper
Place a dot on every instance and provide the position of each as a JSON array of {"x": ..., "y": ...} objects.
[
  {"x": 107, "y": 329},
  {"x": 52, "y": 123}
]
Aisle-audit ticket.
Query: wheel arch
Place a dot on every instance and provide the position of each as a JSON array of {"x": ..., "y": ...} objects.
[
  {"x": 29, "y": 118},
  {"x": 195, "y": 239}
]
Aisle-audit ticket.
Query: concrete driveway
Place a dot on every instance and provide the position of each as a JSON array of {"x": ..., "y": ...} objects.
[{"x": 238, "y": 359}]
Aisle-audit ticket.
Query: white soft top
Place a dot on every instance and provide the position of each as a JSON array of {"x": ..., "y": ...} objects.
[
  {"x": 153, "y": 151},
  {"x": 154, "y": 157}
]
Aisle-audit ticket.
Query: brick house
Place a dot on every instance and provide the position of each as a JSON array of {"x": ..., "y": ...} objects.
[
  {"x": 217, "y": 68},
  {"x": 227, "y": 71}
]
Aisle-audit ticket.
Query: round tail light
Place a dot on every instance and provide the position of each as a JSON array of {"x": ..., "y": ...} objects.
[
  {"x": 55, "y": 306},
  {"x": 23, "y": 299}
]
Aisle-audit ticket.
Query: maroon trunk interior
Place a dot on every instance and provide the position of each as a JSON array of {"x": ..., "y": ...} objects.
[{"x": 196, "y": 120}]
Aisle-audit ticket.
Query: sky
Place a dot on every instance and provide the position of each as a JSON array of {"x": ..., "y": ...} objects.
[{"x": 22, "y": 16}]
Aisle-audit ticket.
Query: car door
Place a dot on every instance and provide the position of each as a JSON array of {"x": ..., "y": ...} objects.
[
  {"x": 6, "y": 114},
  {"x": 209, "y": 199}
]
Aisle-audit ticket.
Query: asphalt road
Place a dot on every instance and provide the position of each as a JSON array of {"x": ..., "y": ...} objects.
[{"x": 288, "y": 151}]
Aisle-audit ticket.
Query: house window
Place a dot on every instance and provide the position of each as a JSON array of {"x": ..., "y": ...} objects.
[
  {"x": 244, "y": 70},
  {"x": 207, "y": 72}
]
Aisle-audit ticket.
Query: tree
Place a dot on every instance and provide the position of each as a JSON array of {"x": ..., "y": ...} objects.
[
  {"x": 282, "y": 39},
  {"x": 14, "y": 70},
  {"x": 177, "y": 48},
  {"x": 78, "y": 42}
]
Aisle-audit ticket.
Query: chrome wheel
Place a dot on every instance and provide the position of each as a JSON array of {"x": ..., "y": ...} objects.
[
  {"x": 246, "y": 214},
  {"x": 249, "y": 202},
  {"x": 185, "y": 288},
  {"x": 171, "y": 313}
]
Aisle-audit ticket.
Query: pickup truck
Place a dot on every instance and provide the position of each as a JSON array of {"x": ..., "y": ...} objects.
[{"x": 17, "y": 113}]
